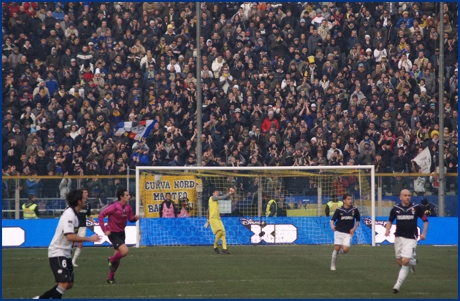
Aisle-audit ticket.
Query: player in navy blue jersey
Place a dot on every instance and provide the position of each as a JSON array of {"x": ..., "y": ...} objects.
[
  {"x": 344, "y": 222},
  {"x": 406, "y": 214}
]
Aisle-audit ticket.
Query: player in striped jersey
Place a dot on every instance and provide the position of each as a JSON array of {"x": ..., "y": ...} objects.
[
  {"x": 406, "y": 214},
  {"x": 344, "y": 225},
  {"x": 84, "y": 212},
  {"x": 60, "y": 249}
]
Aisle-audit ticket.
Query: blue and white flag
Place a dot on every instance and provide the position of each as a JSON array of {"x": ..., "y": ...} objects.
[{"x": 135, "y": 130}]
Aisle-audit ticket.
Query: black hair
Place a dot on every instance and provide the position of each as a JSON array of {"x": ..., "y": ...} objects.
[
  {"x": 73, "y": 197},
  {"x": 344, "y": 197},
  {"x": 121, "y": 193}
]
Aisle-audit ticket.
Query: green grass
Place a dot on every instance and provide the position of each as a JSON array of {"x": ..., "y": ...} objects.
[{"x": 249, "y": 272}]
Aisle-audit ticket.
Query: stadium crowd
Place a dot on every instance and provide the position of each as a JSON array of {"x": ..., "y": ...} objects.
[{"x": 291, "y": 84}]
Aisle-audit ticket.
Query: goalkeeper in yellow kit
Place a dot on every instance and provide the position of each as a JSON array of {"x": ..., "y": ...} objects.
[{"x": 214, "y": 220}]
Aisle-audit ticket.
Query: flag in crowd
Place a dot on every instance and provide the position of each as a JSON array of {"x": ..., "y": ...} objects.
[
  {"x": 135, "y": 130},
  {"x": 424, "y": 160}
]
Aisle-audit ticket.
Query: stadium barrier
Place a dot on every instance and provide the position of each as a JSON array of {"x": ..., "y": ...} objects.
[
  {"x": 296, "y": 206},
  {"x": 51, "y": 205},
  {"x": 240, "y": 231}
]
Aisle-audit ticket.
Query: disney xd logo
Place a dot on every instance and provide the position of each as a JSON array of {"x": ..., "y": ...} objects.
[{"x": 270, "y": 233}]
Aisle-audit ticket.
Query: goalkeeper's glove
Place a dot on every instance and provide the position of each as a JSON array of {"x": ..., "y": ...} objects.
[{"x": 206, "y": 224}]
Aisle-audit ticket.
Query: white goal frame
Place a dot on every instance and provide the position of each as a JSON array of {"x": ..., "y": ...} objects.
[{"x": 253, "y": 168}]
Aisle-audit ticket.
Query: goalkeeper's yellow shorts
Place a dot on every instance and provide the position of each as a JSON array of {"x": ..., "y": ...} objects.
[{"x": 216, "y": 225}]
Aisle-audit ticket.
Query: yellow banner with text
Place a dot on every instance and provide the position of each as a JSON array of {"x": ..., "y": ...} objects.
[{"x": 154, "y": 188}]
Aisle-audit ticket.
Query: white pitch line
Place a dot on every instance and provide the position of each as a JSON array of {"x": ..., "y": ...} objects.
[
  {"x": 210, "y": 256},
  {"x": 209, "y": 281},
  {"x": 307, "y": 295}
]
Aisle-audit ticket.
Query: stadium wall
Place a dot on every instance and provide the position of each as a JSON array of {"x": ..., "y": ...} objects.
[{"x": 190, "y": 231}]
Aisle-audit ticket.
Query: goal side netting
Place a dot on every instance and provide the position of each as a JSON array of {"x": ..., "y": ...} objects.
[{"x": 301, "y": 194}]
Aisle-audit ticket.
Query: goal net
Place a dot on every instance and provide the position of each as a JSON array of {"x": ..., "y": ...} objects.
[{"x": 301, "y": 194}]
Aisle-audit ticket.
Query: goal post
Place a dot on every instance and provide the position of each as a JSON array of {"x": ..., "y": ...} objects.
[{"x": 302, "y": 192}]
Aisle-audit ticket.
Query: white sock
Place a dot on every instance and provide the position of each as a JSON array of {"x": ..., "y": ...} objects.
[
  {"x": 58, "y": 293},
  {"x": 61, "y": 290},
  {"x": 334, "y": 257},
  {"x": 402, "y": 276},
  {"x": 77, "y": 253},
  {"x": 413, "y": 262},
  {"x": 341, "y": 251}
]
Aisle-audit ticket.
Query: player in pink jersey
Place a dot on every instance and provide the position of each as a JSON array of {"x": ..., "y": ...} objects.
[{"x": 119, "y": 213}]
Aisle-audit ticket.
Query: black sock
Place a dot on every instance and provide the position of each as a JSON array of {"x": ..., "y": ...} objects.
[
  {"x": 58, "y": 292},
  {"x": 49, "y": 293}
]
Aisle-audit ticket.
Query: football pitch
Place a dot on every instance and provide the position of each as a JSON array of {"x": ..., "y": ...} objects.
[{"x": 249, "y": 272}]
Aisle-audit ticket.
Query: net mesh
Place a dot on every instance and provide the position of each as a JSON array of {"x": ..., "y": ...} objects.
[
  {"x": 245, "y": 231},
  {"x": 299, "y": 193},
  {"x": 301, "y": 196}
]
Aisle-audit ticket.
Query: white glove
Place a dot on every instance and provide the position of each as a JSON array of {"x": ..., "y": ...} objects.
[{"x": 206, "y": 224}]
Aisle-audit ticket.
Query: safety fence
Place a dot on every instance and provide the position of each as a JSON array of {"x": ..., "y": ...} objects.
[{"x": 49, "y": 191}]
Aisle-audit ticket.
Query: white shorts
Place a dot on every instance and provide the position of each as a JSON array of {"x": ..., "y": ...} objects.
[
  {"x": 81, "y": 232},
  {"x": 342, "y": 239},
  {"x": 404, "y": 247}
]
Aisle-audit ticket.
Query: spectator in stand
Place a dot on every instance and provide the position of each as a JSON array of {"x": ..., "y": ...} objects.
[
  {"x": 291, "y": 73},
  {"x": 33, "y": 184},
  {"x": 168, "y": 208},
  {"x": 185, "y": 209}
]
